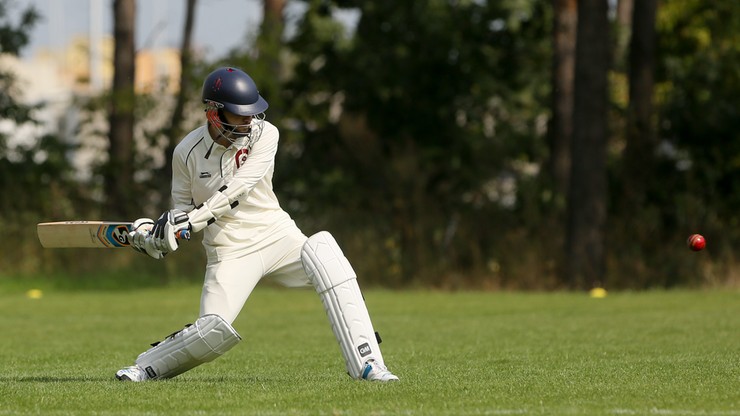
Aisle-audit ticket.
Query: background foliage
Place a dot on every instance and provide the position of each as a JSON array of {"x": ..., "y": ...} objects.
[{"x": 419, "y": 138}]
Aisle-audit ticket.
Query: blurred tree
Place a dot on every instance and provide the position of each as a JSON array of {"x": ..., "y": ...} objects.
[
  {"x": 13, "y": 37},
  {"x": 622, "y": 31},
  {"x": 634, "y": 223},
  {"x": 587, "y": 195},
  {"x": 21, "y": 189},
  {"x": 419, "y": 124},
  {"x": 119, "y": 171},
  {"x": 561, "y": 124},
  {"x": 641, "y": 144},
  {"x": 174, "y": 131},
  {"x": 270, "y": 51},
  {"x": 36, "y": 177},
  {"x": 265, "y": 57},
  {"x": 697, "y": 84}
]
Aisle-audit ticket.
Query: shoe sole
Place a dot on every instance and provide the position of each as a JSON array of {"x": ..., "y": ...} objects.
[{"x": 382, "y": 380}]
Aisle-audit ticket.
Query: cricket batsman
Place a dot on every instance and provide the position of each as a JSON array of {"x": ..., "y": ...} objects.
[{"x": 222, "y": 186}]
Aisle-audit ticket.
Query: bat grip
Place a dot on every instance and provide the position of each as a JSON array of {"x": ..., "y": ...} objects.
[{"x": 183, "y": 235}]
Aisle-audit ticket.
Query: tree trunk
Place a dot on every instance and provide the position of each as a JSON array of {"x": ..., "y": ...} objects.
[
  {"x": 118, "y": 174},
  {"x": 623, "y": 30},
  {"x": 641, "y": 142},
  {"x": 174, "y": 132},
  {"x": 269, "y": 49},
  {"x": 564, "y": 38},
  {"x": 273, "y": 16},
  {"x": 587, "y": 196}
]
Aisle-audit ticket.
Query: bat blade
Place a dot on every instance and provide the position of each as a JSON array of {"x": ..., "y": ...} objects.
[{"x": 84, "y": 234}]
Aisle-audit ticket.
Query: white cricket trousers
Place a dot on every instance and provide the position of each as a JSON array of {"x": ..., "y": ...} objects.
[{"x": 228, "y": 283}]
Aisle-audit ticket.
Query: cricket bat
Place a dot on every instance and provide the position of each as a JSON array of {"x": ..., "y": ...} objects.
[{"x": 88, "y": 234}]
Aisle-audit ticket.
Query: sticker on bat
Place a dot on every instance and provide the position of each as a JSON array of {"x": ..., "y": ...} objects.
[{"x": 114, "y": 235}]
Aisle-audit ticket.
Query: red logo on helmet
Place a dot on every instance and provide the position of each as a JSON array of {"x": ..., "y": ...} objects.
[
  {"x": 217, "y": 85},
  {"x": 241, "y": 157}
]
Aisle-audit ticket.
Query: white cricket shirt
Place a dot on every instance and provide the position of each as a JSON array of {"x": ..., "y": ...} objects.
[{"x": 258, "y": 220}]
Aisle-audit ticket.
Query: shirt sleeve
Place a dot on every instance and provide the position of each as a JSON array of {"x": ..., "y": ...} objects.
[
  {"x": 182, "y": 197},
  {"x": 257, "y": 163}
]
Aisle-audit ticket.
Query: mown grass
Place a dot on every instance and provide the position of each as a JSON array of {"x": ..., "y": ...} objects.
[{"x": 668, "y": 353}]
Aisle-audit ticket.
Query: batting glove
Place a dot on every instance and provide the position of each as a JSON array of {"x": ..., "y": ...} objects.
[
  {"x": 140, "y": 238},
  {"x": 167, "y": 227}
]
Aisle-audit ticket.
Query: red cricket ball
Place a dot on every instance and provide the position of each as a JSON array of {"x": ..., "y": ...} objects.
[{"x": 696, "y": 242}]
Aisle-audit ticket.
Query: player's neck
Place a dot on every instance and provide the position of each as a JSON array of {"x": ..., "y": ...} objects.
[{"x": 217, "y": 136}]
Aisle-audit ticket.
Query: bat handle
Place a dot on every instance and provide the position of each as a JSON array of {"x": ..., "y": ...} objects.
[{"x": 183, "y": 235}]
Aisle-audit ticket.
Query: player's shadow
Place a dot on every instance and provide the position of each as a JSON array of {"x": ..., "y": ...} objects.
[
  {"x": 207, "y": 379},
  {"x": 50, "y": 379}
]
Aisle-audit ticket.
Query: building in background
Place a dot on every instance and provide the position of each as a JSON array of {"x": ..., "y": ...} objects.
[
  {"x": 72, "y": 71},
  {"x": 62, "y": 80}
]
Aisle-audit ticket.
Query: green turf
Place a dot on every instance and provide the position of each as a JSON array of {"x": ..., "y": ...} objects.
[{"x": 664, "y": 353}]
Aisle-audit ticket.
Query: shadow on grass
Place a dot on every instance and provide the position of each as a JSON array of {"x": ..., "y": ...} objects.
[
  {"x": 189, "y": 380},
  {"x": 51, "y": 379}
]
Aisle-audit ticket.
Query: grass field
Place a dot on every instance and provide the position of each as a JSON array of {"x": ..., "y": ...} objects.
[{"x": 663, "y": 353}]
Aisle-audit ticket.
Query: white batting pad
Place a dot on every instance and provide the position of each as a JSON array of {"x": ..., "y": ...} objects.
[
  {"x": 205, "y": 340},
  {"x": 336, "y": 283}
]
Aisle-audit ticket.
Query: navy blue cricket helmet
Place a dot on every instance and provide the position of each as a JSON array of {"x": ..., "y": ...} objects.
[{"x": 233, "y": 90}]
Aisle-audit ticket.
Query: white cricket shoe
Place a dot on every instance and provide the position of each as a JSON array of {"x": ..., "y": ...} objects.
[
  {"x": 133, "y": 373},
  {"x": 375, "y": 371}
]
